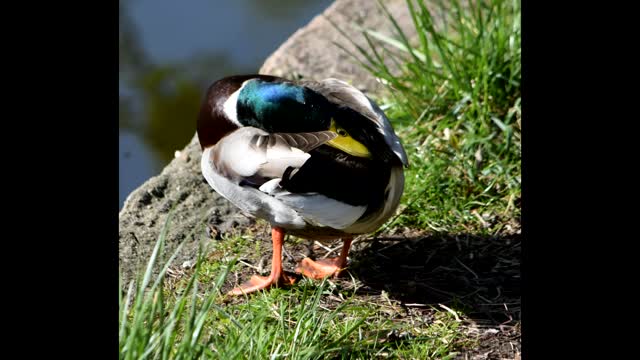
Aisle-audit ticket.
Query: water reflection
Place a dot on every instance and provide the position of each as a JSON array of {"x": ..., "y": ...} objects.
[{"x": 170, "y": 51}]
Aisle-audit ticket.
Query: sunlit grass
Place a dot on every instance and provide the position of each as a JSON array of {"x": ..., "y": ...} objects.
[{"x": 454, "y": 99}]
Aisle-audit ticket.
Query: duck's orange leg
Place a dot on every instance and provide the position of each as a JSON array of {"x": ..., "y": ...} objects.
[
  {"x": 325, "y": 267},
  {"x": 277, "y": 276}
]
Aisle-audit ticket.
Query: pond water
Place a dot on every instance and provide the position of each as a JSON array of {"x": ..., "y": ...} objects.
[{"x": 170, "y": 51}]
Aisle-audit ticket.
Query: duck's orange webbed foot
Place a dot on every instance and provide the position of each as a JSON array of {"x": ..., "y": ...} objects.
[
  {"x": 262, "y": 282},
  {"x": 322, "y": 268},
  {"x": 277, "y": 276}
]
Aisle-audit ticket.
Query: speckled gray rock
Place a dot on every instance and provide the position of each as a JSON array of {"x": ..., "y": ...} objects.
[{"x": 199, "y": 214}]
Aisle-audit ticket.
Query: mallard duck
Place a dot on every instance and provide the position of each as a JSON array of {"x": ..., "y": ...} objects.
[{"x": 317, "y": 160}]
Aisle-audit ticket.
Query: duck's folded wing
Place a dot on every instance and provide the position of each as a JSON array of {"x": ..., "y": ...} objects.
[
  {"x": 339, "y": 92},
  {"x": 253, "y": 154}
]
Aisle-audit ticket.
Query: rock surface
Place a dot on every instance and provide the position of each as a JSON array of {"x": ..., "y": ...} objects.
[
  {"x": 198, "y": 212},
  {"x": 311, "y": 52}
]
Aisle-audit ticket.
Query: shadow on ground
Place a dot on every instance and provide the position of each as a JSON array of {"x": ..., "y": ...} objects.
[
  {"x": 477, "y": 275},
  {"x": 480, "y": 275}
]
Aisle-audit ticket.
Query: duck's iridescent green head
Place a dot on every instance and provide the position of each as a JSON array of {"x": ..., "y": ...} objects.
[{"x": 282, "y": 107}]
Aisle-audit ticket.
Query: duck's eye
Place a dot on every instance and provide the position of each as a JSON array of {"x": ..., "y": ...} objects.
[{"x": 342, "y": 132}]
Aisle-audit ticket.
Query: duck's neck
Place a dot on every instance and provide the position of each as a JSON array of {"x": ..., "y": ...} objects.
[{"x": 212, "y": 125}]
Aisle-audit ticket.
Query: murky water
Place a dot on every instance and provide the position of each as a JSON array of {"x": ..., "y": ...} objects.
[{"x": 170, "y": 51}]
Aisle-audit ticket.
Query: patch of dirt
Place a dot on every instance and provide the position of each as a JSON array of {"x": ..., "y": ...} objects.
[{"x": 480, "y": 274}]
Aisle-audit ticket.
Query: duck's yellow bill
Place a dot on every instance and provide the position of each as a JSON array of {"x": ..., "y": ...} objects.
[{"x": 346, "y": 143}]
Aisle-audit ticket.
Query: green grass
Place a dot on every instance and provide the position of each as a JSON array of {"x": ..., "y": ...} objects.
[
  {"x": 191, "y": 319},
  {"x": 454, "y": 100}
]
